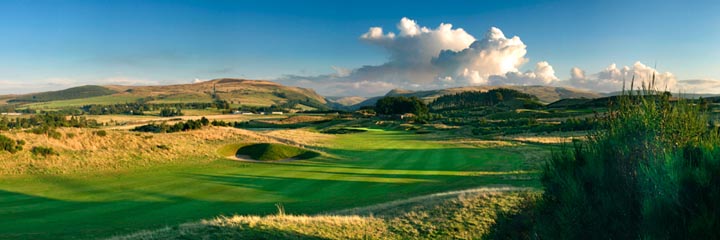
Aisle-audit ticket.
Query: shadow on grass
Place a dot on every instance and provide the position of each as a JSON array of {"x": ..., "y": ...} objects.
[
  {"x": 24, "y": 216},
  {"x": 318, "y": 185}
]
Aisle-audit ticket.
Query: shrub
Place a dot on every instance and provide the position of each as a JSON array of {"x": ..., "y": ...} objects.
[
  {"x": 652, "y": 172},
  {"x": 54, "y": 134},
  {"x": 70, "y": 135},
  {"x": 100, "y": 133},
  {"x": 10, "y": 145},
  {"x": 44, "y": 151}
]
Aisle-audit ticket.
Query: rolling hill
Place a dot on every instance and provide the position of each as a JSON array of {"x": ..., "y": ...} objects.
[
  {"x": 235, "y": 91},
  {"x": 67, "y": 94},
  {"x": 545, "y": 94}
]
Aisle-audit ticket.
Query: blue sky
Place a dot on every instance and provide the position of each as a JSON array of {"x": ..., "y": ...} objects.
[{"x": 56, "y": 44}]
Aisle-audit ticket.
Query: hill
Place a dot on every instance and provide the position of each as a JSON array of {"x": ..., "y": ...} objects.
[
  {"x": 70, "y": 93},
  {"x": 545, "y": 94},
  {"x": 235, "y": 91},
  {"x": 346, "y": 101}
]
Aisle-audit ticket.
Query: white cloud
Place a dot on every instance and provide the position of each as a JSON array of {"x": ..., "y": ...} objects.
[
  {"x": 612, "y": 78},
  {"x": 426, "y": 58},
  {"x": 416, "y": 45},
  {"x": 698, "y": 86},
  {"x": 493, "y": 55},
  {"x": 544, "y": 74},
  {"x": 342, "y": 72}
]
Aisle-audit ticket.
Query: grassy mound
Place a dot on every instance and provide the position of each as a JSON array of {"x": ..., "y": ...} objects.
[
  {"x": 274, "y": 152},
  {"x": 459, "y": 215},
  {"x": 344, "y": 130}
]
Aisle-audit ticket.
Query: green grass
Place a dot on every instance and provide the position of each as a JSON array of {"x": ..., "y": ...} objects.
[
  {"x": 274, "y": 152},
  {"x": 359, "y": 170},
  {"x": 81, "y": 92},
  {"x": 184, "y": 98},
  {"x": 103, "y": 100}
]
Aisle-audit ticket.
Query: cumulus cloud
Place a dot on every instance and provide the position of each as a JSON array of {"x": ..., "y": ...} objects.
[
  {"x": 612, "y": 78},
  {"x": 543, "y": 74},
  {"x": 416, "y": 45},
  {"x": 425, "y": 58},
  {"x": 495, "y": 54},
  {"x": 698, "y": 86}
]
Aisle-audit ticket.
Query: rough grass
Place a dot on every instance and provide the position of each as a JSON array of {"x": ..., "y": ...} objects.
[
  {"x": 454, "y": 215},
  {"x": 275, "y": 152},
  {"x": 299, "y": 119},
  {"x": 81, "y": 150}
]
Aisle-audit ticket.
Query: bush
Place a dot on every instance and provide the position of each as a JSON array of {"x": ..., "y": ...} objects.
[
  {"x": 10, "y": 145},
  {"x": 652, "y": 172},
  {"x": 100, "y": 133},
  {"x": 44, "y": 151}
]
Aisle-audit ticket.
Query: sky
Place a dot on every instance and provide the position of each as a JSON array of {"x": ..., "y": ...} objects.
[{"x": 344, "y": 48}]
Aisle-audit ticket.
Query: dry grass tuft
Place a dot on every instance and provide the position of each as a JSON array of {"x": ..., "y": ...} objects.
[{"x": 468, "y": 214}]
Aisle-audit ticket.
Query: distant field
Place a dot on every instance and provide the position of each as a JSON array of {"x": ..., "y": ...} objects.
[
  {"x": 184, "y": 98},
  {"x": 129, "y": 121},
  {"x": 110, "y": 99},
  {"x": 251, "y": 99},
  {"x": 386, "y": 165}
]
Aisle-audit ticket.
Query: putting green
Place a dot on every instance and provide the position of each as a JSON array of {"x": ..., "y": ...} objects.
[{"x": 369, "y": 168}]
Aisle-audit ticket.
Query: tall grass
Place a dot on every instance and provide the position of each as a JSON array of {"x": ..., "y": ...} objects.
[{"x": 652, "y": 172}]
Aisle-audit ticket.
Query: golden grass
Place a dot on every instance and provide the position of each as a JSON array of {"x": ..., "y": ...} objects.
[
  {"x": 301, "y": 137},
  {"x": 299, "y": 119},
  {"x": 551, "y": 139},
  {"x": 131, "y": 121},
  {"x": 468, "y": 214},
  {"x": 87, "y": 152}
]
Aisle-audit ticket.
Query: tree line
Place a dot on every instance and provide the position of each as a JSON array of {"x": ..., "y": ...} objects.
[
  {"x": 171, "y": 128},
  {"x": 479, "y": 99},
  {"x": 401, "y": 105},
  {"x": 46, "y": 120}
]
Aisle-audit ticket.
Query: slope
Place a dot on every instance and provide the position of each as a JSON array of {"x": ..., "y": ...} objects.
[{"x": 546, "y": 94}]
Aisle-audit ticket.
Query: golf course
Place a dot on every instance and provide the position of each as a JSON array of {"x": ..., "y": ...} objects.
[{"x": 354, "y": 170}]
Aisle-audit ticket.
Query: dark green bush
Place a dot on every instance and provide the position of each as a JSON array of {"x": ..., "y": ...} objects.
[
  {"x": 653, "y": 172},
  {"x": 44, "y": 151},
  {"x": 10, "y": 145},
  {"x": 100, "y": 133}
]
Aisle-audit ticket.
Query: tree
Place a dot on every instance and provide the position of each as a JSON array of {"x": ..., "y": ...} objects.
[{"x": 401, "y": 105}]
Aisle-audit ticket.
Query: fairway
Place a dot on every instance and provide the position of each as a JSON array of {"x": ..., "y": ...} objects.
[{"x": 359, "y": 169}]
